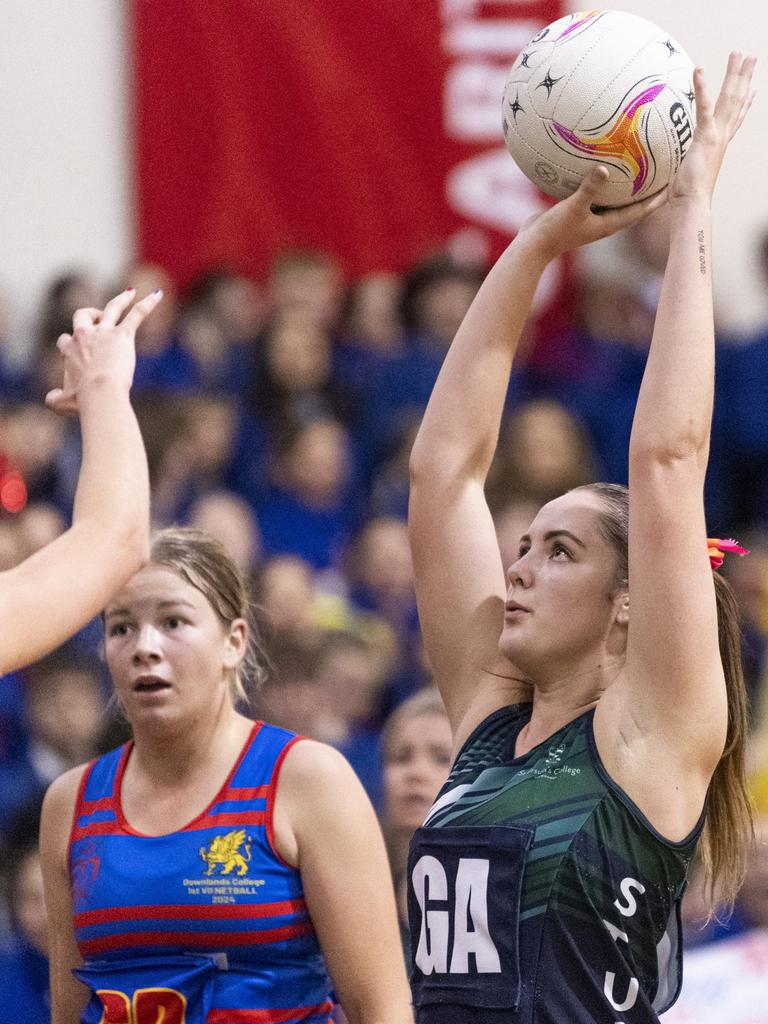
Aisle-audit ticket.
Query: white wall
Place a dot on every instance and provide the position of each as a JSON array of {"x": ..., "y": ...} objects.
[
  {"x": 708, "y": 30},
  {"x": 64, "y": 187}
]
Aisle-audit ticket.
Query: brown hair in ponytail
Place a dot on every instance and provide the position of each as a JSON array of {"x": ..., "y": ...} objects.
[{"x": 728, "y": 830}]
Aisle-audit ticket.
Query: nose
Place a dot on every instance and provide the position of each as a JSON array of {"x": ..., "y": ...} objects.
[
  {"x": 147, "y": 644},
  {"x": 519, "y": 574}
]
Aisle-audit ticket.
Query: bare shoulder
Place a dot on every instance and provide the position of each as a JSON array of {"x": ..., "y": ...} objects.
[
  {"x": 310, "y": 767},
  {"x": 318, "y": 794},
  {"x": 59, "y": 810}
]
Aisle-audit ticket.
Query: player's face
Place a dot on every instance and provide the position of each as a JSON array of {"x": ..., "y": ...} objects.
[
  {"x": 562, "y": 604},
  {"x": 417, "y": 764},
  {"x": 169, "y": 654}
]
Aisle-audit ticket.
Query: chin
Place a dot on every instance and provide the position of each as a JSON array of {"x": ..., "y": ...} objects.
[{"x": 516, "y": 651}]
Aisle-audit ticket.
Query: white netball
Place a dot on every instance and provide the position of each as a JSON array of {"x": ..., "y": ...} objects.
[{"x": 600, "y": 87}]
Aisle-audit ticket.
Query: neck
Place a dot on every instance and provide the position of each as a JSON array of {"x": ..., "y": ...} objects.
[
  {"x": 170, "y": 755},
  {"x": 558, "y": 698}
]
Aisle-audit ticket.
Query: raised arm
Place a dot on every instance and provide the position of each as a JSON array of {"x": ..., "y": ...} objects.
[
  {"x": 52, "y": 594},
  {"x": 672, "y": 700},
  {"x": 460, "y": 582}
]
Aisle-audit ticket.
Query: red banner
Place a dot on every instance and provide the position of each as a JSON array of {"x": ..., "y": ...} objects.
[{"x": 368, "y": 129}]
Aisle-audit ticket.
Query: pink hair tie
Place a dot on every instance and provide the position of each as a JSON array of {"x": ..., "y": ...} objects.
[{"x": 717, "y": 549}]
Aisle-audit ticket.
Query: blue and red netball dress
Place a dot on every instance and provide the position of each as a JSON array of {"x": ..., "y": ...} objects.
[{"x": 203, "y": 926}]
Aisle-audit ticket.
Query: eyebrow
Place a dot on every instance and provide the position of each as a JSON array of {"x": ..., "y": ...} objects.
[
  {"x": 551, "y": 534},
  {"x": 179, "y": 602}
]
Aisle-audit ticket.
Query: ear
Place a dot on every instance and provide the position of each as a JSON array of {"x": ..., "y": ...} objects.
[
  {"x": 236, "y": 643},
  {"x": 622, "y": 610}
]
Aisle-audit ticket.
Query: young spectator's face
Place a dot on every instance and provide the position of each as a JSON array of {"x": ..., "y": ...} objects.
[
  {"x": 443, "y": 306},
  {"x": 32, "y": 439},
  {"x": 29, "y": 905},
  {"x": 66, "y": 709},
  {"x": 417, "y": 762},
  {"x": 548, "y": 449},
  {"x": 350, "y": 675},
  {"x": 374, "y": 317},
  {"x": 287, "y": 594},
  {"x": 385, "y": 564},
  {"x": 318, "y": 462},
  {"x": 298, "y": 355},
  {"x": 239, "y": 307},
  {"x": 312, "y": 288},
  {"x": 229, "y": 519},
  {"x": 296, "y": 704},
  {"x": 210, "y": 434},
  {"x": 170, "y": 656}
]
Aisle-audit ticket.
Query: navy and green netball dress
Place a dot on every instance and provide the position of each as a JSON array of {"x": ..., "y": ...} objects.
[
  {"x": 538, "y": 892},
  {"x": 203, "y": 926}
]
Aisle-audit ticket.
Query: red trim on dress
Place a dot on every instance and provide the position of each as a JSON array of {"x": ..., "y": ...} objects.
[
  {"x": 205, "y": 813},
  {"x": 78, "y": 810},
  {"x": 271, "y": 796}
]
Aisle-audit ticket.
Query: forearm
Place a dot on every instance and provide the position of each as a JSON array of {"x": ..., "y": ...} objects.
[
  {"x": 113, "y": 487},
  {"x": 459, "y": 431},
  {"x": 674, "y": 408}
]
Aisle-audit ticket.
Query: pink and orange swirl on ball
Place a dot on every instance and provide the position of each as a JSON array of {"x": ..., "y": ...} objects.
[{"x": 623, "y": 139}]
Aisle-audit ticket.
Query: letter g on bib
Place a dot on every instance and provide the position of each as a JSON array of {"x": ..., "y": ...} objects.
[{"x": 463, "y": 905}]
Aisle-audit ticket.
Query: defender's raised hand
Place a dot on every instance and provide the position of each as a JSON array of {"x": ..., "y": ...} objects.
[{"x": 101, "y": 346}]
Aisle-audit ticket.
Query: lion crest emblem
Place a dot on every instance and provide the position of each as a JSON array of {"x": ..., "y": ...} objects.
[{"x": 225, "y": 852}]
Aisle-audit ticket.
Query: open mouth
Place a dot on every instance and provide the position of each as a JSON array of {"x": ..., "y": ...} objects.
[{"x": 150, "y": 684}]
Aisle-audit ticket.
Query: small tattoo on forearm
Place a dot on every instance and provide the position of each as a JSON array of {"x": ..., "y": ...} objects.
[{"x": 702, "y": 254}]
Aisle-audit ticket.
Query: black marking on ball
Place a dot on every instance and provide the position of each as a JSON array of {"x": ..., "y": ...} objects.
[
  {"x": 671, "y": 48},
  {"x": 690, "y": 95},
  {"x": 524, "y": 58},
  {"x": 505, "y": 122},
  {"x": 516, "y": 108},
  {"x": 546, "y": 172},
  {"x": 548, "y": 83}
]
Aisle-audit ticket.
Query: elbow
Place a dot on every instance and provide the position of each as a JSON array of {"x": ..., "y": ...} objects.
[
  {"x": 136, "y": 547},
  {"x": 684, "y": 449}
]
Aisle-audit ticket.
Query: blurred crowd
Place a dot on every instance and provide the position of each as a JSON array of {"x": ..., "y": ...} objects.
[{"x": 279, "y": 416}]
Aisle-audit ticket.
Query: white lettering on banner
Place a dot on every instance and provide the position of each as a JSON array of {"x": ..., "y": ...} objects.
[
  {"x": 472, "y": 93},
  {"x": 481, "y": 39},
  {"x": 471, "y": 933},
  {"x": 472, "y": 905},
  {"x": 432, "y": 951},
  {"x": 494, "y": 38},
  {"x": 483, "y": 189}
]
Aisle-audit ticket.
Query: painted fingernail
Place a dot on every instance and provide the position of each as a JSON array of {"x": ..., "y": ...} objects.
[
  {"x": 158, "y": 291},
  {"x": 130, "y": 289}
]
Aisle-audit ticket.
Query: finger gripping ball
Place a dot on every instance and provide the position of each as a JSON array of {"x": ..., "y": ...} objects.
[{"x": 600, "y": 87}]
